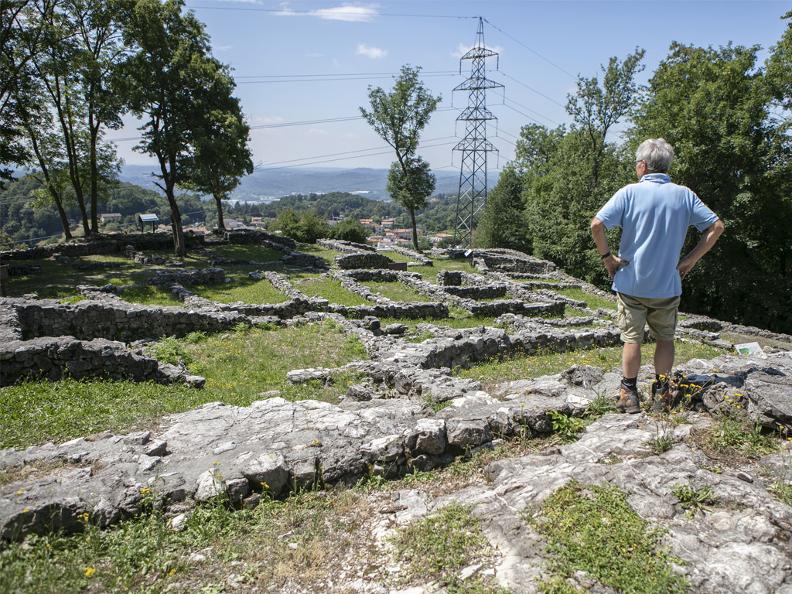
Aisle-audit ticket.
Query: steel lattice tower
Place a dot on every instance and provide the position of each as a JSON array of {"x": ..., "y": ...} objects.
[{"x": 474, "y": 146}]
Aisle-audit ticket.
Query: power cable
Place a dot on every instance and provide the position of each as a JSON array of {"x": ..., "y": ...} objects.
[
  {"x": 522, "y": 113},
  {"x": 525, "y": 107},
  {"x": 530, "y": 49},
  {"x": 338, "y": 74},
  {"x": 344, "y": 78},
  {"x": 530, "y": 88},
  {"x": 328, "y": 15}
]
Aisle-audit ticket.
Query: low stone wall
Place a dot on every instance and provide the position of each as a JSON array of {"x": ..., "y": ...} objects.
[
  {"x": 256, "y": 236},
  {"x": 405, "y": 251},
  {"x": 393, "y": 309},
  {"x": 348, "y": 247},
  {"x": 54, "y": 358},
  {"x": 188, "y": 277},
  {"x": 474, "y": 292},
  {"x": 302, "y": 260},
  {"x": 449, "y": 278},
  {"x": 497, "y": 308},
  {"x": 107, "y": 244},
  {"x": 374, "y": 274},
  {"x": 116, "y": 319},
  {"x": 363, "y": 260}
]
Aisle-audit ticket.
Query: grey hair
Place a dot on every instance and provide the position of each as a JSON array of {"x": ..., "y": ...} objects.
[{"x": 657, "y": 154}]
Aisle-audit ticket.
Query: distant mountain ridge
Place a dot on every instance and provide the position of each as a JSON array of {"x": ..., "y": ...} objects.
[{"x": 267, "y": 184}]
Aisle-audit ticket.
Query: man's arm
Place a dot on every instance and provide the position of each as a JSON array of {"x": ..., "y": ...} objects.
[
  {"x": 708, "y": 239},
  {"x": 612, "y": 263}
]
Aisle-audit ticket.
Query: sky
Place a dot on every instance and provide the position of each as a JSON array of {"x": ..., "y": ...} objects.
[{"x": 271, "y": 47}]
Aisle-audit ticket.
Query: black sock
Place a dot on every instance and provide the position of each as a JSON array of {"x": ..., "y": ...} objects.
[{"x": 631, "y": 383}]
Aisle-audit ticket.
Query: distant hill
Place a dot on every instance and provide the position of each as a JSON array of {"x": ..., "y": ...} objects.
[{"x": 267, "y": 185}]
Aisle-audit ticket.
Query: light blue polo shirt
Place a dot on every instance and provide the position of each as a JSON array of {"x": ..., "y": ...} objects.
[{"x": 654, "y": 215}]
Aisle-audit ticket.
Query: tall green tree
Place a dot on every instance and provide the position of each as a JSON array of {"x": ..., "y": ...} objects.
[
  {"x": 98, "y": 57},
  {"x": 170, "y": 82},
  {"x": 713, "y": 106},
  {"x": 399, "y": 117},
  {"x": 503, "y": 223},
  {"x": 410, "y": 183},
  {"x": 568, "y": 174},
  {"x": 222, "y": 154}
]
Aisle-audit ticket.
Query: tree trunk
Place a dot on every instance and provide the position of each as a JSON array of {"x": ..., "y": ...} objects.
[
  {"x": 179, "y": 246},
  {"x": 220, "y": 220},
  {"x": 94, "y": 173},
  {"x": 62, "y": 213},
  {"x": 414, "y": 229}
]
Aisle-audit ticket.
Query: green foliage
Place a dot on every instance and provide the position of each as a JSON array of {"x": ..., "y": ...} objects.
[
  {"x": 713, "y": 106},
  {"x": 398, "y": 117},
  {"x": 439, "y": 546},
  {"x": 566, "y": 427},
  {"x": 350, "y": 230},
  {"x": 170, "y": 350},
  {"x": 693, "y": 499},
  {"x": 304, "y": 227},
  {"x": 503, "y": 223},
  {"x": 783, "y": 491},
  {"x": 734, "y": 434},
  {"x": 592, "y": 528}
]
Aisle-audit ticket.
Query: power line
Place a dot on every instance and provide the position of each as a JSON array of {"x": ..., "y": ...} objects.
[
  {"x": 525, "y": 107},
  {"x": 530, "y": 49},
  {"x": 522, "y": 113},
  {"x": 341, "y": 78},
  {"x": 328, "y": 15},
  {"x": 530, "y": 88},
  {"x": 385, "y": 152},
  {"x": 339, "y": 74},
  {"x": 273, "y": 165}
]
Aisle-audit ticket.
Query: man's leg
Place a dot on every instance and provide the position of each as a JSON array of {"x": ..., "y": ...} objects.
[
  {"x": 631, "y": 316},
  {"x": 664, "y": 357},
  {"x": 631, "y": 359}
]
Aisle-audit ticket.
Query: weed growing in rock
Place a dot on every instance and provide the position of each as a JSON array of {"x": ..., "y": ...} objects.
[
  {"x": 782, "y": 490},
  {"x": 592, "y": 528},
  {"x": 664, "y": 437},
  {"x": 693, "y": 499},
  {"x": 170, "y": 350},
  {"x": 735, "y": 436},
  {"x": 601, "y": 405},
  {"x": 566, "y": 427},
  {"x": 440, "y": 546}
]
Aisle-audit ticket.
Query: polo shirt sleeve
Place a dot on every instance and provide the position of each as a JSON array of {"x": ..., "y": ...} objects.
[
  {"x": 701, "y": 217},
  {"x": 612, "y": 214}
]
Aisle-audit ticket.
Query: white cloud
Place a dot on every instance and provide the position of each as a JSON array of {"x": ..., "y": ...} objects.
[
  {"x": 462, "y": 48},
  {"x": 375, "y": 53},
  {"x": 353, "y": 13}
]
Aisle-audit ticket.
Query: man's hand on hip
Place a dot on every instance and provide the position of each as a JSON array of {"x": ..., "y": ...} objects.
[
  {"x": 685, "y": 266},
  {"x": 613, "y": 263}
]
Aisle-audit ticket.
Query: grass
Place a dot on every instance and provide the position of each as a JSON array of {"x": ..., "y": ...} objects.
[
  {"x": 396, "y": 291},
  {"x": 149, "y": 295},
  {"x": 593, "y": 301},
  {"x": 397, "y": 257},
  {"x": 439, "y": 546},
  {"x": 734, "y": 438},
  {"x": 592, "y": 528},
  {"x": 275, "y": 545},
  {"x": 694, "y": 499},
  {"x": 783, "y": 491},
  {"x": 522, "y": 366},
  {"x": 429, "y": 273},
  {"x": 317, "y": 250},
  {"x": 238, "y": 366},
  {"x": 314, "y": 285},
  {"x": 245, "y": 290}
]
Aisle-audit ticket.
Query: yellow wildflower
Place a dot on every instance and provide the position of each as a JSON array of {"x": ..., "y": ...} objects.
[
  {"x": 84, "y": 517},
  {"x": 89, "y": 571}
]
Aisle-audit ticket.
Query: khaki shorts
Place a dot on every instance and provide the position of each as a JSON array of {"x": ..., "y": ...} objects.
[{"x": 633, "y": 313}]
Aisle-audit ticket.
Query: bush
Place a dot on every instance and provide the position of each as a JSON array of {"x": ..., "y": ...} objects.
[
  {"x": 350, "y": 230},
  {"x": 305, "y": 227}
]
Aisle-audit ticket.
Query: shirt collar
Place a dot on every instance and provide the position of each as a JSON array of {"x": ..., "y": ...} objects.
[{"x": 658, "y": 178}]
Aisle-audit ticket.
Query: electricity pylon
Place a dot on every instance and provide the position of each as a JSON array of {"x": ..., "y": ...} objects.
[{"x": 474, "y": 146}]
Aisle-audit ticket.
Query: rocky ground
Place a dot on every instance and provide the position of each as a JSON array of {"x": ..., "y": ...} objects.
[{"x": 418, "y": 479}]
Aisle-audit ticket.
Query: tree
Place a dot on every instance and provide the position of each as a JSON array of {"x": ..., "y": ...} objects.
[
  {"x": 305, "y": 228},
  {"x": 222, "y": 155},
  {"x": 170, "y": 80},
  {"x": 713, "y": 106},
  {"x": 410, "y": 183},
  {"x": 398, "y": 117},
  {"x": 98, "y": 58},
  {"x": 350, "y": 229},
  {"x": 503, "y": 223},
  {"x": 569, "y": 174},
  {"x": 779, "y": 68}
]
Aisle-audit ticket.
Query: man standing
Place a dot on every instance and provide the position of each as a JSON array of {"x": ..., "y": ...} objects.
[{"x": 654, "y": 215}]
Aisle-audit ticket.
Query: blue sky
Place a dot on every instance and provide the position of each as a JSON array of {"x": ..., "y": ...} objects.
[{"x": 335, "y": 39}]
